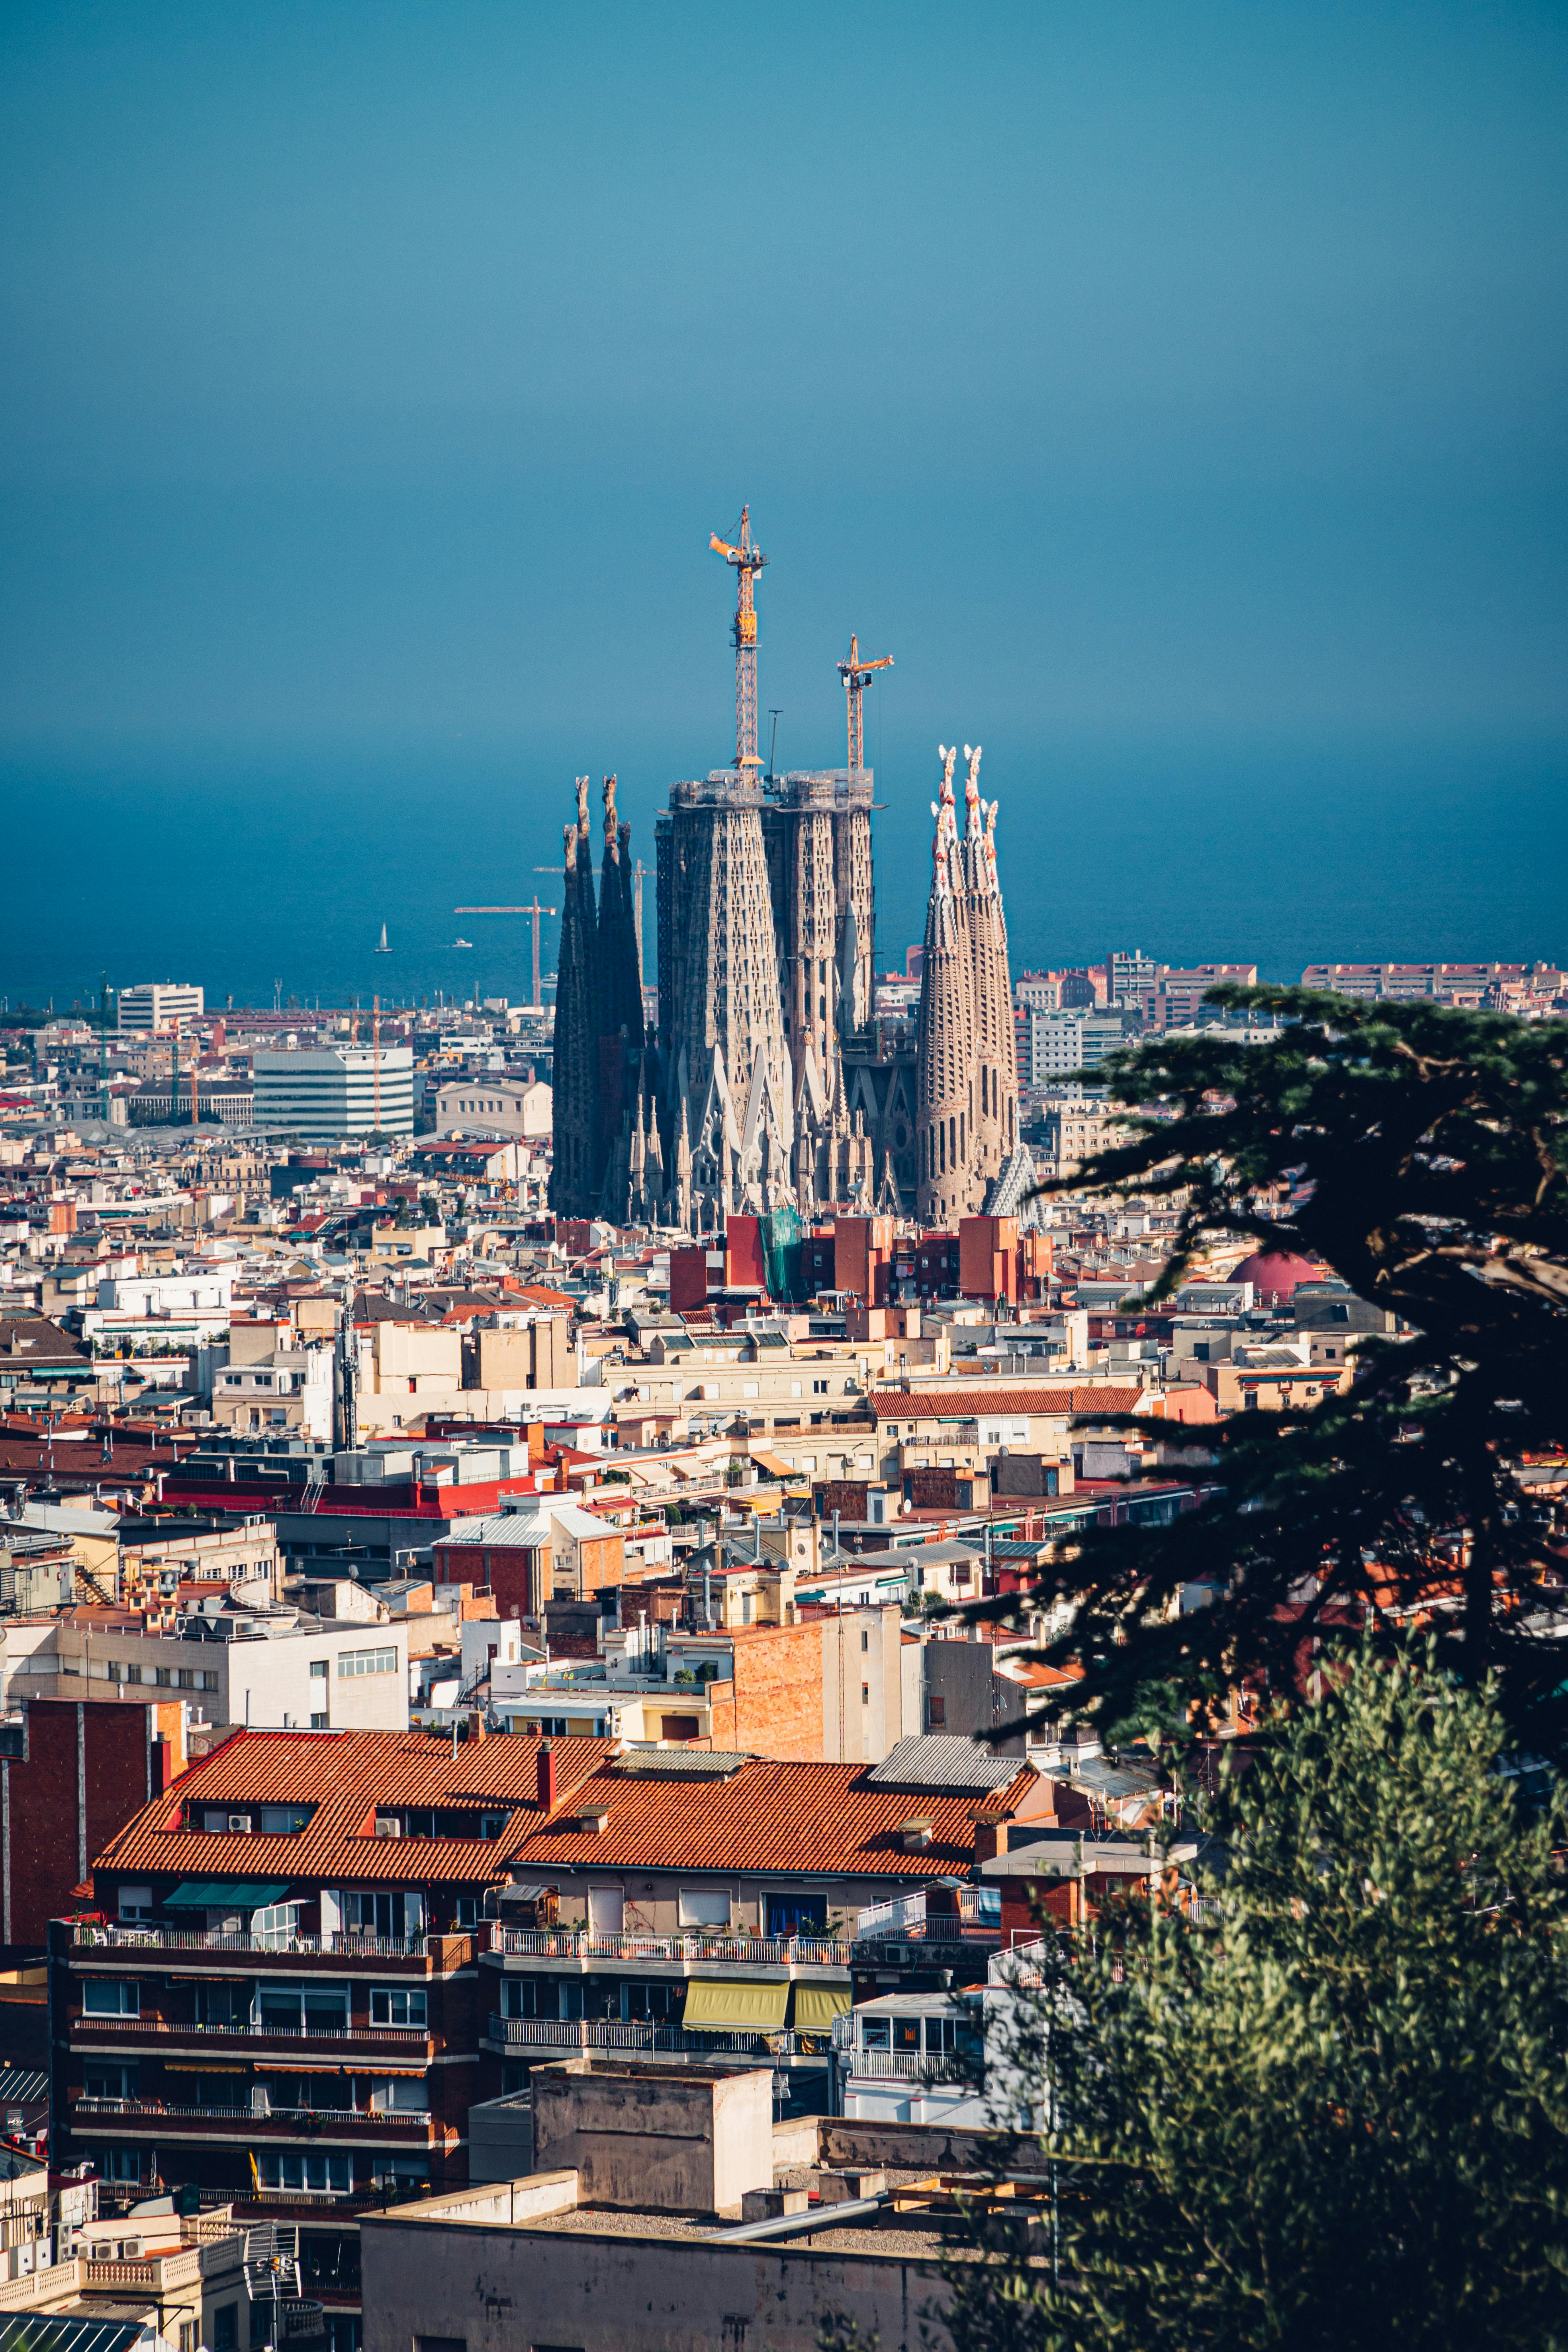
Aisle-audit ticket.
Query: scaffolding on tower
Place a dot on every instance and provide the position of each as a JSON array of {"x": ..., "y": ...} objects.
[{"x": 748, "y": 561}]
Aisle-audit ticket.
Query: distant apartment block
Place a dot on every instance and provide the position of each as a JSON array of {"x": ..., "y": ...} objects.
[
  {"x": 489, "y": 1105},
  {"x": 326, "y": 1092},
  {"x": 160, "y": 1005},
  {"x": 1054, "y": 1043},
  {"x": 1507, "y": 987}
]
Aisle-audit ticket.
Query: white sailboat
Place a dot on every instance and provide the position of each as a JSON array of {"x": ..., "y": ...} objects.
[{"x": 382, "y": 948}]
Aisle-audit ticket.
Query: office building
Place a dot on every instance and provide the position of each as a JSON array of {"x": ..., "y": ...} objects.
[
  {"x": 152, "y": 1006},
  {"x": 320, "y": 1093}
]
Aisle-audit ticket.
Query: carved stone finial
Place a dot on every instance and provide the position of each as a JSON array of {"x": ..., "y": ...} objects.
[
  {"x": 583, "y": 806},
  {"x": 609, "y": 800}
]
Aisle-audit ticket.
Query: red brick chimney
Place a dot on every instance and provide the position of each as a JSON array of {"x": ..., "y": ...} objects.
[
  {"x": 990, "y": 1840},
  {"x": 547, "y": 1777}
]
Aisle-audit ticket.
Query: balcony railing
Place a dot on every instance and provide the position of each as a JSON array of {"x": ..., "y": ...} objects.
[
  {"x": 704, "y": 1951},
  {"x": 395, "y": 2037},
  {"x": 347, "y": 1943},
  {"x": 323, "y": 2120},
  {"x": 613, "y": 2033},
  {"x": 905, "y": 2066},
  {"x": 908, "y": 1918}
]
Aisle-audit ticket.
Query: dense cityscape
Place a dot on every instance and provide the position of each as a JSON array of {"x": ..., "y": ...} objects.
[
  {"x": 788, "y": 1571},
  {"x": 577, "y": 1482}
]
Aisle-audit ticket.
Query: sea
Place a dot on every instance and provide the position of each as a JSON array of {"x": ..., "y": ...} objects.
[{"x": 267, "y": 875}]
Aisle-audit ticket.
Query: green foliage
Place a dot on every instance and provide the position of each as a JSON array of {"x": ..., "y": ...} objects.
[
  {"x": 1334, "y": 2110},
  {"x": 1421, "y": 1152}
]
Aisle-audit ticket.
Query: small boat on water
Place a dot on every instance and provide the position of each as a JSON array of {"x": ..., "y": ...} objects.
[
  {"x": 462, "y": 943},
  {"x": 382, "y": 948}
]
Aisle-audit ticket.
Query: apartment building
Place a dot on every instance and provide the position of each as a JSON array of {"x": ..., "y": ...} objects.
[
  {"x": 322, "y": 1093},
  {"x": 287, "y": 1993},
  {"x": 717, "y": 1905},
  {"x": 149, "y": 1006},
  {"x": 227, "y": 1662}
]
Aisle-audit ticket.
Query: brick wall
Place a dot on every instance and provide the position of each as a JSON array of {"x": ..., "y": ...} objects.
[
  {"x": 776, "y": 1708},
  {"x": 89, "y": 1765}
]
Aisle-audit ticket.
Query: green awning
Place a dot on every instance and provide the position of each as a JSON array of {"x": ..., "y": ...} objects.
[
  {"x": 713, "y": 2005},
  {"x": 816, "y": 2006},
  {"x": 225, "y": 1894}
]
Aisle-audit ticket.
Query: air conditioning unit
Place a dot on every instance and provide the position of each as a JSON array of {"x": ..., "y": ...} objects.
[
  {"x": 129, "y": 2250},
  {"x": 239, "y": 1824},
  {"x": 388, "y": 1827}
]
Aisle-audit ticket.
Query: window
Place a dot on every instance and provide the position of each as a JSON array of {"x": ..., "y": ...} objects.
[
  {"x": 163, "y": 1677},
  {"x": 819, "y": 1388},
  {"x": 290, "y": 2168},
  {"x": 225, "y": 2328},
  {"x": 319, "y": 1669},
  {"x": 704, "y": 1906},
  {"x": 207, "y": 1681},
  {"x": 366, "y": 1661},
  {"x": 397, "y": 2005},
  {"x": 865, "y": 1640},
  {"x": 865, "y": 1693},
  {"x": 795, "y": 1914},
  {"x": 941, "y": 2036},
  {"x": 378, "y": 1913},
  {"x": 188, "y": 1678},
  {"x": 875, "y": 2033},
  {"x": 109, "y": 2082},
  {"x": 309, "y": 2007},
  {"x": 111, "y": 1997},
  {"x": 440, "y": 2344},
  {"x": 276, "y": 1922},
  {"x": 936, "y": 1712},
  {"x": 135, "y": 1902}
]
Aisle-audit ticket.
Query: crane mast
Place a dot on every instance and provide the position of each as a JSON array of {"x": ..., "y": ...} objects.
[
  {"x": 748, "y": 561},
  {"x": 854, "y": 674}
]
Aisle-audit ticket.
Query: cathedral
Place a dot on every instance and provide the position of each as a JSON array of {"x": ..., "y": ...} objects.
[{"x": 769, "y": 1084}]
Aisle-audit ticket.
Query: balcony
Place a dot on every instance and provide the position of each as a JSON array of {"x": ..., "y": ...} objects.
[
  {"x": 446, "y": 1951},
  {"x": 790, "y": 1952},
  {"x": 955, "y": 1918},
  {"x": 904, "y": 2066},
  {"x": 230, "y": 2123},
  {"x": 550, "y": 2033},
  {"x": 345, "y": 2040}
]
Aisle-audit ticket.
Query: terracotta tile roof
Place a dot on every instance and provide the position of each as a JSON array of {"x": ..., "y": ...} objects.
[
  {"x": 768, "y": 1816},
  {"x": 924, "y": 1403},
  {"x": 346, "y": 1775}
]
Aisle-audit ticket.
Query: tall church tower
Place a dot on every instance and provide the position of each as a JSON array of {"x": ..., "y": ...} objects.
[
  {"x": 945, "y": 1051},
  {"x": 995, "y": 1052}
]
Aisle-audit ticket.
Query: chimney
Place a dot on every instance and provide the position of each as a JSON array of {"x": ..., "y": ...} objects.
[
  {"x": 990, "y": 1840},
  {"x": 547, "y": 1777}
]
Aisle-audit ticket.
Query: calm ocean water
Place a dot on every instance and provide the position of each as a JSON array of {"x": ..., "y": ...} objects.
[{"x": 251, "y": 872}]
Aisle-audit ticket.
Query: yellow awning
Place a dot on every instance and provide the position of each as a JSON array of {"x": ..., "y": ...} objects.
[
  {"x": 201, "y": 2066},
  {"x": 713, "y": 2006},
  {"x": 816, "y": 2006},
  {"x": 774, "y": 1462}
]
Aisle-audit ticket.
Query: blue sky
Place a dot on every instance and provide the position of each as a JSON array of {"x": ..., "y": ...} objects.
[{"x": 1145, "y": 378}]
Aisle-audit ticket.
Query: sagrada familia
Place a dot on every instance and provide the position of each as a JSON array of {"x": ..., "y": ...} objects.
[{"x": 769, "y": 1082}]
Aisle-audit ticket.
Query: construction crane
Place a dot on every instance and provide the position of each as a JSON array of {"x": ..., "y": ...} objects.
[
  {"x": 854, "y": 674},
  {"x": 748, "y": 561},
  {"x": 536, "y": 910}
]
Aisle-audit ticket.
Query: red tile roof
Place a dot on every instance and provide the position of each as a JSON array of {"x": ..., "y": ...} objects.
[
  {"x": 768, "y": 1816},
  {"x": 925, "y": 1403},
  {"x": 346, "y": 1775}
]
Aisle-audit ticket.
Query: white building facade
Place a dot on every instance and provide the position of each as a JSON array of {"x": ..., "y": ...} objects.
[
  {"x": 159, "y": 1005},
  {"x": 322, "y": 1093}
]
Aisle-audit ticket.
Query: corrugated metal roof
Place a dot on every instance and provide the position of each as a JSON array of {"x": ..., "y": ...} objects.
[
  {"x": 346, "y": 1775},
  {"x": 943, "y": 1762}
]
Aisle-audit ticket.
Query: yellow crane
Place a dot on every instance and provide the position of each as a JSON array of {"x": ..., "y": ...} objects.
[
  {"x": 748, "y": 561},
  {"x": 854, "y": 674}
]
